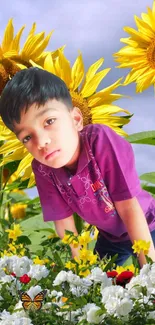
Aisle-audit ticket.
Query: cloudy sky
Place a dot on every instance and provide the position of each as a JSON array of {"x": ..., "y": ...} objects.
[{"x": 94, "y": 27}]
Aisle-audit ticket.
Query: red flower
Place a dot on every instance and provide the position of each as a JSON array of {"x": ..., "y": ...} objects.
[
  {"x": 13, "y": 274},
  {"x": 111, "y": 274},
  {"x": 25, "y": 279},
  {"x": 124, "y": 278}
]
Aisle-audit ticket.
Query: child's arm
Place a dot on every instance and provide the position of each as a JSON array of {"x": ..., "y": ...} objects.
[
  {"x": 134, "y": 219},
  {"x": 66, "y": 224}
]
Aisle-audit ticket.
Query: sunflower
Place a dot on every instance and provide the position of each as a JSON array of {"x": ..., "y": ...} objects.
[
  {"x": 96, "y": 107},
  {"x": 13, "y": 59},
  {"x": 139, "y": 53}
]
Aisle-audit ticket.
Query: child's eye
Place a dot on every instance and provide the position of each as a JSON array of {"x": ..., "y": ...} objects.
[
  {"x": 26, "y": 139},
  {"x": 50, "y": 121}
]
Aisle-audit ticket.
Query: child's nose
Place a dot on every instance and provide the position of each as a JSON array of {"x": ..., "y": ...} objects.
[{"x": 43, "y": 142}]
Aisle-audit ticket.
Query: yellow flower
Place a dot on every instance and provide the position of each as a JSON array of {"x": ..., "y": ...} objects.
[
  {"x": 84, "y": 270},
  {"x": 6, "y": 253},
  {"x": 141, "y": 245},
  {"x": 120, "y": 269},
  {"x": 18, "y": 210},
  {"x": 84, "y": 238},
  {"x": 67, "y": 239},
  {"x": 37, "y": 260},
  {"x": 92, "y": 258},
  {"x": 13, "y": 59},
  {"x": 15, "y": 232},
  {"x": 69, "y": 265},
  {"x": 12, "y": 248},
  {"x": 139, "y": 52},
  {"x": 22, "y": 252},
  {"x": 96, "y": 107}
]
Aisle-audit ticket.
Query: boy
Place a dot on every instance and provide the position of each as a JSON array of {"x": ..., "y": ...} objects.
[{"x": 89, "y": 170}]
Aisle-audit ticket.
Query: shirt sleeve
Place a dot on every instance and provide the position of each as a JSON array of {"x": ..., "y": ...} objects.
[
  {"x": 115, "y": 158},
  {"x": 53, "y": 205}
]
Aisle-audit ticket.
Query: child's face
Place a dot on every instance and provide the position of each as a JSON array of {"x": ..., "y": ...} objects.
[{"x": 51, "y": 133}]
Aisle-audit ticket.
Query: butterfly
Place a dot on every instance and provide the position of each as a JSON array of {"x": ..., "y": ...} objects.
[{"x": 32, "y": 304}]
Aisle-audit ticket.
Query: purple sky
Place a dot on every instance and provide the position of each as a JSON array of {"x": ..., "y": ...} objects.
[{"x": 95, "y": 28}]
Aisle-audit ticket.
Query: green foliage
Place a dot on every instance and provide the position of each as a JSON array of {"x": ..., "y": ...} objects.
[{"x": 147, "y": 137}]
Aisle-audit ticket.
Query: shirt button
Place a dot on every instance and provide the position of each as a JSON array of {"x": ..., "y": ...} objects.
[{"x": 69, "y": 183}]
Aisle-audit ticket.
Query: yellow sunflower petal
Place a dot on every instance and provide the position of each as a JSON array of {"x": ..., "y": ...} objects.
[
  {"x": 137, "y": 36},
  {"x": 48, "y": 64},
  {"x": 77, "y": 73},
  {"x": 18, "y": 154},
  {"x": 8, "y": 36},
  {"x": 94, "y": 99},
  {"x": 93, "y": 68},
  {"x": 36, "y": 52},
  {"x": 15, "y": 43},
  {"x": 30, "y": 45},
  {"x": 92, "y": 85},
  {"x": 64, "y": 69},
  {"x": 10, "y": 146},
  {"x": 144, "y": 27},
  {"x": 25, "y": 163},
  {"x": 144, "y": 83},
  {"x": 108, "y": 109},
  {"x": 132, "y": 76}
]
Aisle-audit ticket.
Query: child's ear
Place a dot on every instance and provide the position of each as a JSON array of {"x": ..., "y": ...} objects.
[{"x": 77, "y": 118}]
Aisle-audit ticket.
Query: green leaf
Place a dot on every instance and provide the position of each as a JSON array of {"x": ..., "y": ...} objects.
[
  {"x": 148, "y": 177},
  {"x": 17, "y": 197},
  {"x": 150, "y": 189},
  {"x": 46, "y": 229},
  {"x": 79, "y": 223},
  {"x": 142, "y": 138},
  {"x": 24, "y": 240},
  {"x": 57, "y": 259},
  {"x": 109, "y": 266}
]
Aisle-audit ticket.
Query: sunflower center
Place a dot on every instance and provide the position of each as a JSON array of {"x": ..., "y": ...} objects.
[
  {"x": 7, "y": 69},
  {"x": 82, "y": 104},
  {"x": 151, "y": 54}
]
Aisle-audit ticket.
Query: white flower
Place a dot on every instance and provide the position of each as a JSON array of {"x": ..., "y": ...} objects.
[
  {"x": 145, "y": 269},
  {"x": 85, "y": 282},
  {"x": 14, "y": 287},
  {"x": 73, "y": 278},
  {"x": 78, "y": 291},
  {"x": 92, "y": 316},
  {"x": 18, "y": 318},
  {"x": 98, "y": 276},
  {"x": 152, "y": 275},
  {"x": 33, "y": 291},
  {"x": 124, "y": 307},
  {"x": 60, "y": 278},
  {"x": 38, "y": 272},
  {"x": 136, "y": 284},
  {"x": 55, "y": 293},
  {"x": 7, "y": 279},
  {"x": 19, "y": 265},
  {"x": 113, "y": 297}
]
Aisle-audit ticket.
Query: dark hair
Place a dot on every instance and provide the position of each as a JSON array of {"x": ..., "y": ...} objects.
[{"x": 27, "y": 87}]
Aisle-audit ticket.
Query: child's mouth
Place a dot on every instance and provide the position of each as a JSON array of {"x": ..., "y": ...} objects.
[{"x": 52, "y": 154}]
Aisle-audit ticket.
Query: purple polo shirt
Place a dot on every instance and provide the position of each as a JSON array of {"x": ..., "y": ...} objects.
[{"x": 105, "y": 173}]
